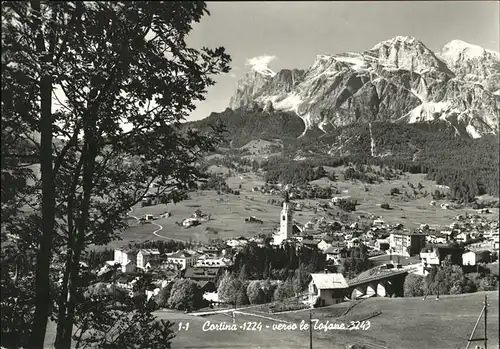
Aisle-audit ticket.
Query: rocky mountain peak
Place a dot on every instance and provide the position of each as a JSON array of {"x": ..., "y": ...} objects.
[
  {"x": 397, "y": 80},
  {"x": 408, "y": 53},
  {"x": 473, "y": 63}
]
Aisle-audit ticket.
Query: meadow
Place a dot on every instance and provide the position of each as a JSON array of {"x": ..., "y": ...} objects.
[
  {"x": 228, "y": 211},
  {"x": 404, "y": 323}
]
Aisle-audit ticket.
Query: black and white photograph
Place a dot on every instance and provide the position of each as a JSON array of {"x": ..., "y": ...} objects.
[{"x": 250, "y": 174}]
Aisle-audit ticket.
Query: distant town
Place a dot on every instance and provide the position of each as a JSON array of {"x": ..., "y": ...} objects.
[{"x": 359, "y": 259}]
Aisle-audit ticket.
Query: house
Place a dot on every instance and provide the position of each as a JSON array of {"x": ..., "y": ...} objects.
[
  {"x": 127, "y": 258},
  {"x": 211, "y": 297},
  {"x": 429, "y": 258},
  {"x": 462, "y": 237},
  {"x": 202, "y": 273},
  {"x": 433, "y": 255},
  {"x": 325, "y": 243},
  {"x": 125, "y": 282},
  {"x": 129, "y": 266},
  {"x": 212, "y": 263},
  {"x": 210, "y": 251},
  {"x": 406, "y": 243},
  {"x": 495, "y": 241},
  {"x": 336, "y": 253},
  {"x": 122, "y": 256},
  {"x": 238, "y": 242},
  {"x": 473, "y": 258},
  {"x": 327, "y": 289},
  {"x": 146, "y": 255},
  {"x": 206, "y": 286},
  {"x": 338, "y": 199},
  {"x": 354, "y": 242},
  {"x": 437, "y": 238},
  {"x": 182, "y": 258},
  {"x": 310, "y": 243},
  {"x": 190, "y": 222},
  {"x": 309, "y": 226},
  {"x": 382, "y": 244}
]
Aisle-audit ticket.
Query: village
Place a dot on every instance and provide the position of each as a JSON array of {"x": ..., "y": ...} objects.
[{"x": 471, "y": 240}]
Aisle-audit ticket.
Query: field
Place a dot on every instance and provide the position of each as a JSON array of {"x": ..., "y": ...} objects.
[
  {"x": 411, "y": 213},
  {"x": 228, "y": 211},
  {"x": 403, "y": 323}
]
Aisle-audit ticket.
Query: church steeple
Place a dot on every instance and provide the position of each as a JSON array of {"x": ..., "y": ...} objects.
[{"x": 286, "y": 222}]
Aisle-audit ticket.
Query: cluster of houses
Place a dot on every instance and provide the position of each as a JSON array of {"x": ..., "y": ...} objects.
[{"x": 206, "y": 264}]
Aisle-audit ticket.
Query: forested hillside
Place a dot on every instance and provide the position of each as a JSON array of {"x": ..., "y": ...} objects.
[
  {"x": 243, "y": 126},
  {"x": 468, "y": 166}
]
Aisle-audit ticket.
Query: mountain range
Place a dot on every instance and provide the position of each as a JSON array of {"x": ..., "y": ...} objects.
[{"x": 398, "y": 80}]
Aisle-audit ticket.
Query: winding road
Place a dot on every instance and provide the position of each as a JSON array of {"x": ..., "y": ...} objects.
[{"x": 160, "y": 227}]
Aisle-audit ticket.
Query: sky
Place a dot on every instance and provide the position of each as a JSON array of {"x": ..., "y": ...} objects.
[{"x": 287, "y": 35}]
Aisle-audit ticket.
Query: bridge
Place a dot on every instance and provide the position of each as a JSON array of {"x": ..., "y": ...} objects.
[{"x": 377, "y": 282}]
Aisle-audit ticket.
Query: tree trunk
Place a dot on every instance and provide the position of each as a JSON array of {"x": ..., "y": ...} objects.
[
  {"x": 42, "y": 300},
  {"x": 63, "y": 297},
  {"x": 89, "y": 155}
]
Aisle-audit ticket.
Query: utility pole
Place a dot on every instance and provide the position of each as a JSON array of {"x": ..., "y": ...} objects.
[
  {"x": 310, "y": 331},
  {"x": 437, "y": 296},
  {"x": 485, "y": 321},
  {"x": 485, "y": 339}
]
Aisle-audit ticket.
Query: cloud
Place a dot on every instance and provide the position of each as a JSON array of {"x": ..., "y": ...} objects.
[
  {"x": 260, "y": 61},
  {"x": 232, "y": 75}
]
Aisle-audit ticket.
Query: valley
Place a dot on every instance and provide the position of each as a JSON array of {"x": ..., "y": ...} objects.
[{"x": 229, "y": 211}]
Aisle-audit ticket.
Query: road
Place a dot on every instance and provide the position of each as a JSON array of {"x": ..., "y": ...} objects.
[{"x": 160, "y": 227}]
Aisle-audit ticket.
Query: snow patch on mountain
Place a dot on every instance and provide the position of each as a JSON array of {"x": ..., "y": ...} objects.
[
  {"x": 399, "y": 38},
  {"x": 356, "y": 61},
  {"x": 458, "y": 49},
  {"x": 308, "y": 122},
  {"x": 471, "y": 130},
  {"x": 322, "y": 125},
  {"x": 427, "y": 111}
]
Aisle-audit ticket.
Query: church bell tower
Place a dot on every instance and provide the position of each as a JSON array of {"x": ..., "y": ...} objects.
[{"x": 286, "y": 220}]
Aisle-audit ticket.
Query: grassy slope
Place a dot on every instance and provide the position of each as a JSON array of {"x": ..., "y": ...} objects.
[
  {"x": 228, "y": 215},
  {"x": 404, "y": 323}
]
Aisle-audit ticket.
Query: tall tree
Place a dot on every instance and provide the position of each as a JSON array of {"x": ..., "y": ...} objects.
[{"x": 124, "y": 79}]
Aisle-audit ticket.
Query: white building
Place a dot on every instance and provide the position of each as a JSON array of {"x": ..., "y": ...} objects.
[
  {"x": 241, "y": 241},
  {"x": 190, "y": 222},
  {"x": 182, "y": 258},
  {"x": 473, "y": 258},
  {"x": 354, "y": 242},
  {"x": 127, "y": 259},
  {"x": 146, "y": 255},
  {"x": 327, "y": 289},
  {"x": 325, "y": 244},
  {"x": 212, "y": 263},
  {"x": 462, "y": 237},
  {"x": 286, "y": 224}
]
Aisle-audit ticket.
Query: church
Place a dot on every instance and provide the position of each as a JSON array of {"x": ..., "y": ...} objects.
[{"x": 286, "y": 223}]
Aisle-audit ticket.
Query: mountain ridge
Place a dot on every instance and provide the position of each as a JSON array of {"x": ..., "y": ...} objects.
[{"x": 397, "y": 80}]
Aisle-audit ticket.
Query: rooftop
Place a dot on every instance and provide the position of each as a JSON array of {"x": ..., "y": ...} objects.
[
  {"x": 150, "y": 251},
  {"x": 329, "y": 281},
  {"x": 180, "y": 254}
]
